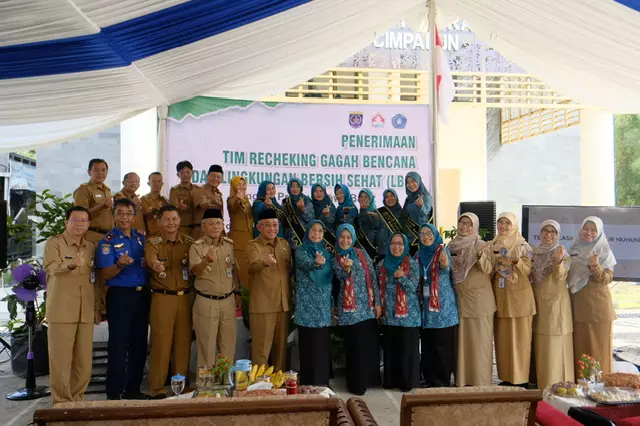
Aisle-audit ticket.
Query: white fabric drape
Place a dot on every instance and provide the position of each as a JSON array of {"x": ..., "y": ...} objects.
[{"x": 585, "y": 49}]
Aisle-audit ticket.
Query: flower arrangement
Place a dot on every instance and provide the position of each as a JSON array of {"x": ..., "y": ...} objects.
[
  {"x": 221, "y": 368},
  {"x": 26, "y": 280},
  {"x": 588, "y": 367}
]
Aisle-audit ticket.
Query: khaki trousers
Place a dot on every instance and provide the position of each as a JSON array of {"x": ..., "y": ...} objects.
[
  {"x": 269, "y": 334},
  {"x": 170, "y": 321},
  {"x": 70, "y": 360},
  {"x": 214, "y": 322}
]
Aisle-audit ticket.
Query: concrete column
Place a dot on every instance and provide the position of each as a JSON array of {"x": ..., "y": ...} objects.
[
  {"x": 597, "y": 158},
  {"x": 138, "y": 147},
  {"x": 462, "y": 161}
]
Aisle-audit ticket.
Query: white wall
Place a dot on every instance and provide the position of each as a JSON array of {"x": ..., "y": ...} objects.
[
  {"x": 462, "y": 161},
  {"x": 139, "y": 149}
]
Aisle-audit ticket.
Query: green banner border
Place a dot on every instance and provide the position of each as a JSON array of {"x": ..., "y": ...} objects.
[{"x": 201, "y": 105}]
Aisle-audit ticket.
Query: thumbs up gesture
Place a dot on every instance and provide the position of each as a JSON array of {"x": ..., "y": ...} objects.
[
  {"x": 181, "y": 205},
  {"x": 444, "y": 260},
  {"x": 124, "y": 260},
  {"x": 326, "y": 211},
  {"x": 158, "y": 266},
  {"x": 399, "y": 273},
  {"x": 78, "y": 260},
  {"x": 558, "y": 255},
  {"x": 300, "y": 204},
  {"x": 268, "y": 201},
  {"x": 320, "y": 260},
  {"x": 593, "y": 260},
  {"x": 269, "y": 259},
  {"x": 346, "y": 263},
  {"x": 212, "y": 254},
  {"x": 419, "y": 201}
]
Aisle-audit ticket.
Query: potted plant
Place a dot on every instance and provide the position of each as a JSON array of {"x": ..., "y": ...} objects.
[
  {"x": 449, "y": 234},
  {"x": 588, "y": 372},
  {"x": 46, "y": 217},
  {"x": 20, "y": 294}
]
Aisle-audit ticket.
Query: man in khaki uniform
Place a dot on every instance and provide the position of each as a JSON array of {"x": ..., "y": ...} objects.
[
  {"x": 208, "y": 196},
  {"x": 167, "y": 257},
  {"x": 68, "y": 261},
  {"x": 269, "y": 260},
  {"x": 130, "y": 185},
  {"x": 213, "y": 263},
  {"x": 183, "y": 197},
  {"x": 96, "y": 197},
  {"x": 152, "y": 202}
]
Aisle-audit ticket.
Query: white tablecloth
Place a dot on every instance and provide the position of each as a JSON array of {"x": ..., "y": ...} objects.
[{"x": 564, "y": 403}]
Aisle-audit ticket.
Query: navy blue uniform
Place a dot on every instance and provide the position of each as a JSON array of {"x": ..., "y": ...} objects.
[{"x": 127, "y": 312}]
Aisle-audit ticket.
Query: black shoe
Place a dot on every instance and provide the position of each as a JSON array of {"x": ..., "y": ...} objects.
[
  {"x": 134, "y": 395},
  {"x": 114, "y": 398},
  {"x": 405, "y": 390},
  {"x": 159, "y": 396}
]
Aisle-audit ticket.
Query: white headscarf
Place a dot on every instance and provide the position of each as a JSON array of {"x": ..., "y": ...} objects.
[
  {"x": 466, "y": 250},
  {"x": 543, "y": 254},
  {"x": 580, "y": 252}
]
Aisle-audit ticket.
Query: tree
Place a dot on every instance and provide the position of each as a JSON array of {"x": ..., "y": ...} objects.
[{"x": 627, "y": 140}]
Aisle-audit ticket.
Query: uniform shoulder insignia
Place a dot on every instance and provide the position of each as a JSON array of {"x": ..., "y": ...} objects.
[
  {"x": 187, "y": 239},
  {"x": 155, "y": 240},
  {"x": 110, "y": 236},
  {"x": 227, "y": 239},
  {"x": 198, "y": 241}
]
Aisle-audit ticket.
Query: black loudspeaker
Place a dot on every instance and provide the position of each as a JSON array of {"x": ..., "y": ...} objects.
[
  {"x": 3, "y": 234},
  {"x": 486, "y": 212}
]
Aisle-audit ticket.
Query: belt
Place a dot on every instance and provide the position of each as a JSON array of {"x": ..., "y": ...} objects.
[
  {"x": 98, "y": 230},
  {"x": 138, "y": 288},
  {"x": 171, "y": 292},
  {"x": 208, "y": 296}
]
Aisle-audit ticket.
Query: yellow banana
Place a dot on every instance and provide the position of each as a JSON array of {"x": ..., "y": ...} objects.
[
  {"x": 260, "y": 371},
  {"x": 254, "y": 370},
  {"x": 269, "y": 371}
]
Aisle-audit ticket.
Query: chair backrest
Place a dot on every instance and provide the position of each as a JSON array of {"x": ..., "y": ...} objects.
[
  {"x": 624, "y": 367},
  {"x": 490, "y": 405},
  {"x": 360, "y": 413},
  {"x": 256, "y": 411}
]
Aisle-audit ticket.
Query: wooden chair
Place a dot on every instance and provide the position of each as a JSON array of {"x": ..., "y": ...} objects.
[
  {"x": 255, "y": 411},
  {"x": 470, "y": 406},
  {"x": 360, "y": 413}
]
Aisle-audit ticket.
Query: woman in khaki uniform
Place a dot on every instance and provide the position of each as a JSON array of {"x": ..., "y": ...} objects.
[
  {"x": 592, "y": 263},
  {"x": 241, "y": 218},
  {"x": 472, "y": 269},
  {"x": 514, "y": 300},
  {"x": 552, "y": 326}
]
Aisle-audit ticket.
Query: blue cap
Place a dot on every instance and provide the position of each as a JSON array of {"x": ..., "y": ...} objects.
[{"x": 178, "y": 377}]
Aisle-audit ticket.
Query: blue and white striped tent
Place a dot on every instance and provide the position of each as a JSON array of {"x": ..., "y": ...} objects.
[{"x": 71, "y": 67}]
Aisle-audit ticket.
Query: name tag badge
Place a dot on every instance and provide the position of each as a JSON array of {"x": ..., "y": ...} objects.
[
  {"x": 229, "y": 272},
  {"x": 501, "y": 282},
  {"x": 185, "y": 274},
  {"x": 425, "y": 290},
  {"x": 98, "y": 195},
  {"x": 93, "y": 276}
]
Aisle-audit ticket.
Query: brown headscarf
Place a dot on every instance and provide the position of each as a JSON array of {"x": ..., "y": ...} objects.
[
  {"x": 466, "y": 249},
  {"x": 513, "y": 240}
]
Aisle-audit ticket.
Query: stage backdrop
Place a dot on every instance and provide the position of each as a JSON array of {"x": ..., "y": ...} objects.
[{"x": 362, "y": 146}]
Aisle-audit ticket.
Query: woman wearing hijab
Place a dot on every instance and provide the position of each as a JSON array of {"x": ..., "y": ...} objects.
[
  {"x": 241, "y": 224},
  {"x": 515, "y": 301},
  {"x": 358, "y": 309},
  {"x": 391, "y": 213},
  {"x": 401, "y": 317},
  {"x": 471, "y": 271},
  {"x": 346, "y": 211},
  {"x": 323, "y": 208},
  {"x": 266, "y": 199},
  {"x": 298, "y": 209},
  {"x": 552, "y": 326},
  {"x": 368, "y": 223},
  {"x": 439, "y": 311},
  {"x": 591, "y": 272},
  {"x": 314, "y": 270},
  {"x": 417, "y": 206}
]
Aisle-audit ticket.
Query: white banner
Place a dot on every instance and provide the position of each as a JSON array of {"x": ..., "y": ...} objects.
[{"x": 362, "y": 146}]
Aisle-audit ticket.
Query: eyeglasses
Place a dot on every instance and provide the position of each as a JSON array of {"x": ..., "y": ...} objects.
[
  {"x": 396, "y": 244},
  {"x": 80, "y": 221},
  {"x": 425, "y": 234}
]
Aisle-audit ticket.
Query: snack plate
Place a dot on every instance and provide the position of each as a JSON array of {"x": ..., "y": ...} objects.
[{"x": 636, "y": 400}]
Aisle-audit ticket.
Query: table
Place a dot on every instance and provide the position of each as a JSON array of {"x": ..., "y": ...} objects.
[{"x": 563, "y": 404}]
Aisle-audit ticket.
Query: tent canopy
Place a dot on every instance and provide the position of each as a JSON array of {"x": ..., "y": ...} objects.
[{"x": 71, "y": 68}]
